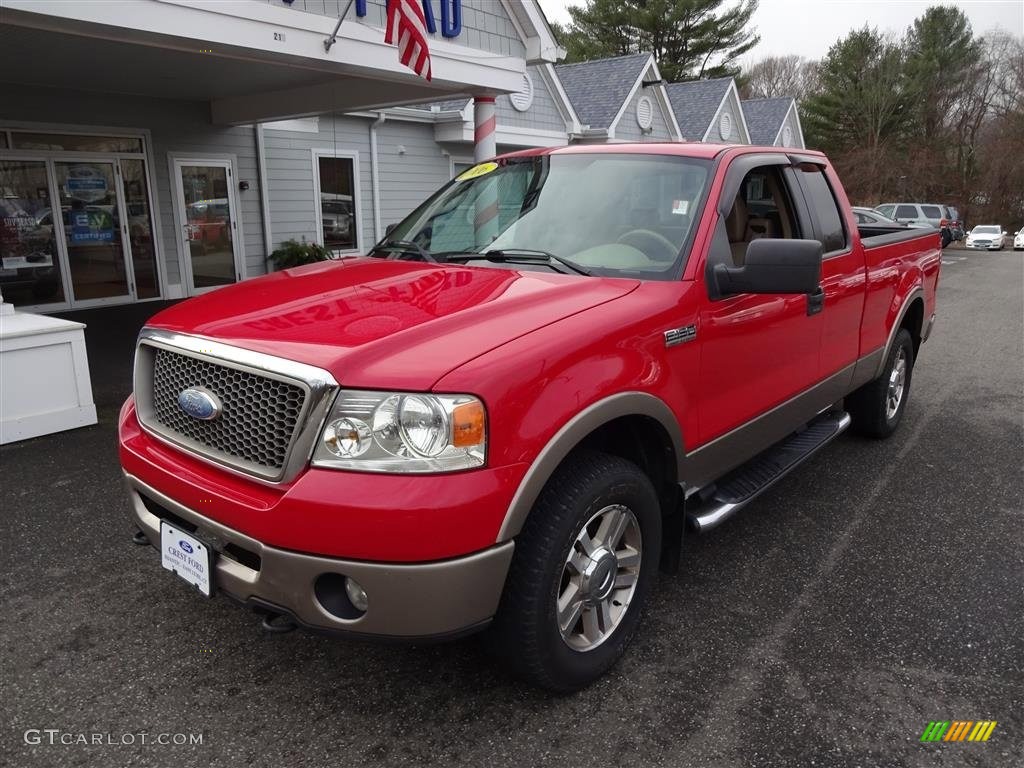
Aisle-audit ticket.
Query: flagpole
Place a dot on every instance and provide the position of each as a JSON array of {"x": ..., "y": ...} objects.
[{"x": 334, "y": 35}]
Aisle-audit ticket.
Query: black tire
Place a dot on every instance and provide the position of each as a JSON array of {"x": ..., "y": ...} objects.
[
  {"x": 869, "y": 406},
  {"x": 525, "y": 634},
  {"x": 946, "y": 238}
]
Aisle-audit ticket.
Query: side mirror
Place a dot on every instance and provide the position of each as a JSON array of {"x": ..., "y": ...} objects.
[
  {"x": 773, "y": 266},
  {"x": 389, "y": 229}
]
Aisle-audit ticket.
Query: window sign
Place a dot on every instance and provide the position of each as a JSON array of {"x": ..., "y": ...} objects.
[
  {"x": 86, "y": 183},
  {"x": 92, "y": 225}
]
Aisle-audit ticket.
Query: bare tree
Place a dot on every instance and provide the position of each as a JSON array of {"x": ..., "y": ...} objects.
[{"x": 775, "y": 76}]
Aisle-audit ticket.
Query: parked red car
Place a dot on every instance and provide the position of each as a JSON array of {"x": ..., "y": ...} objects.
[{"x": 504, "y": 417}]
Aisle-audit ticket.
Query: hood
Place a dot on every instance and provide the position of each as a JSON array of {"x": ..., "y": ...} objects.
[{"x": 376, "y": 323}]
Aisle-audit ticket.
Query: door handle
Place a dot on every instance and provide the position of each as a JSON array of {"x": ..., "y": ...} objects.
[{"x": 815, "y": 301}]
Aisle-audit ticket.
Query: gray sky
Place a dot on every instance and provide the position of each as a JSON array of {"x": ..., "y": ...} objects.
[{"x": 809, "y": 27}]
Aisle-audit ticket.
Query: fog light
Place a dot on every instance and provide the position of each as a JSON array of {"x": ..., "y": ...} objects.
[{"x": 356, "y": 594}]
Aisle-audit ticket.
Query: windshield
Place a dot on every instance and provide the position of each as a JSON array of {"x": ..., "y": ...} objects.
[
  {"x": 985, "y": 231},
  {"x": 621, "y": 215}
]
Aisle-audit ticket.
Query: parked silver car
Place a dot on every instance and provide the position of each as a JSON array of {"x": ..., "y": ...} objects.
[
  {"x": 869, "y": 217},
  {"x": 1018, "y": 240},
  {"x": 986, "y": 237}
]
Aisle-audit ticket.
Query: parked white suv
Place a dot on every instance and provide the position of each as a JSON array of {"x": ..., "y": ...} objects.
[{"x": 986, "y": 237}]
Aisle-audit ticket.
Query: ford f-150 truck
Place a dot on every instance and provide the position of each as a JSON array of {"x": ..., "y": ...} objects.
[{"x": 507, "y": 414}]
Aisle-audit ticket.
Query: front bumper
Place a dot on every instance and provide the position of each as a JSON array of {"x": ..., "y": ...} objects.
[
  {"x": 983, "y": 246},
  {"x": 408, "y": 601}
]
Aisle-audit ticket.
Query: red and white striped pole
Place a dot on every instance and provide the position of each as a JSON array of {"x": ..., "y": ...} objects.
[{"x": 485, "y": 147}]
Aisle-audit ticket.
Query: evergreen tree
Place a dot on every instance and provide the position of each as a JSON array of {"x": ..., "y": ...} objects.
[
  {"x": 942, "y": 57},
  {"x": 689, "y": 38}
]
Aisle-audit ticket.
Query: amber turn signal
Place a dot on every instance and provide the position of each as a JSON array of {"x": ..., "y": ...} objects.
[{"x": 468, "y": 421}]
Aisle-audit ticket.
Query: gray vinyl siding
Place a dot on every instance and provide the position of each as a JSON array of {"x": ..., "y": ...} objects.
[
  {"x": 730, "y": 107},
  {"x": 485, "y": 23},
  {"x": 406, "y": 180},
  {"x": 543, "y": 114},
  {"x": 180, "y": 127},
  {"x": 629, "y": 130},
  {"x": 410, "y": 163},
  {"x": 291, "y": 181},
  {"x": 791, "y": 121}
]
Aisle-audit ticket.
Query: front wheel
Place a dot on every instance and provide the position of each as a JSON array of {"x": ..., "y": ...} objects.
[
  {"x": 877, "y": 407},
  {"x": 583, "y": 566}
]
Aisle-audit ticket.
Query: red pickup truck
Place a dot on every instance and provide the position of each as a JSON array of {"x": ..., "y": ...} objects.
[{"x": 507, "y": 415}]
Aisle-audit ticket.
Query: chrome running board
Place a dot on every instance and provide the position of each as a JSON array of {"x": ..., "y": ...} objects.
[{"x": 738, "y": 488}]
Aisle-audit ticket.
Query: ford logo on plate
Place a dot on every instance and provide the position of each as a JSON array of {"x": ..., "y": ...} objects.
[
  {"x": 200, "y": 403},
  {"x": 186, "y": 546}
]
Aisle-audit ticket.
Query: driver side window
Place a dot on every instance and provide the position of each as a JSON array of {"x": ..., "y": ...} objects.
[{"x": 762, "y": 209}]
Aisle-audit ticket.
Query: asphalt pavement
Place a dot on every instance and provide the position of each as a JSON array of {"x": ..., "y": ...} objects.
[{"x": 878, "y": 588}]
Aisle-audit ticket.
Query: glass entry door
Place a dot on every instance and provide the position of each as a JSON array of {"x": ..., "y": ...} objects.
[
  {"x": 207, "y": 231},
  {"x": 92, "y": 227}
]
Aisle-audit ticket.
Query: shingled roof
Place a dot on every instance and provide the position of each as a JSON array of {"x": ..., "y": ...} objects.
[
  {"x": 695, "y": 104},
  {"x": 598, "y": 89},
  {"x": 765, "y": 117}
]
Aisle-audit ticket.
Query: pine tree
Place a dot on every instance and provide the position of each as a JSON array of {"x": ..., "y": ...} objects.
[{"x": 689, "y": 38}]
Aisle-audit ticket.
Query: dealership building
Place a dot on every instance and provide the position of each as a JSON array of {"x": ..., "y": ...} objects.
[{"x": 157, "y": 149}]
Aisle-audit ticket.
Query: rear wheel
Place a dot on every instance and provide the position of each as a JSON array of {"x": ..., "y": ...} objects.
[
  {"x": 583, "y": 565},
  {"x": 877, "y": 407}
]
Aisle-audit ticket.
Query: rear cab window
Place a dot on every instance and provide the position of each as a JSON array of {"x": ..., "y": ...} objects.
[{"x": 821, "y": 200}]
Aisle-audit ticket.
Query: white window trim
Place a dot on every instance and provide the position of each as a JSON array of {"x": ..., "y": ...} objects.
[{"x": 357, "y": 207}]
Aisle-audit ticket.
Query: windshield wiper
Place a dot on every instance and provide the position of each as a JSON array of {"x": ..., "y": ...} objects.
[
  {"x": 523, "y": 255},
  {"x": 406, "y": 246}
]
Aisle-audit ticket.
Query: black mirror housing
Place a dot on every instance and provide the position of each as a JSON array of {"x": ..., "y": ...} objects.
[{"x": 773, "y": 266}]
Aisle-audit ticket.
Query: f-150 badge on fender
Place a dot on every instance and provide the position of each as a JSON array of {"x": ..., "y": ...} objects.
[{"x": 679, "y": 335}]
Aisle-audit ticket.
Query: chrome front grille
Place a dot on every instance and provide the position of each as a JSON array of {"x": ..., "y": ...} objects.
[
  {"x": 259, "y": 418},
  {"x": 271, "y": 411}
]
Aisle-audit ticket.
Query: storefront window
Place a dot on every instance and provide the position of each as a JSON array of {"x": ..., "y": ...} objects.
[
  {"x": 29, "y": 267},
  {"x": 140, "y": 229},
  {"x": 337, "y": 202},
  {"x": 3, "y": 140},
  {"x": 75, "y": 143}
]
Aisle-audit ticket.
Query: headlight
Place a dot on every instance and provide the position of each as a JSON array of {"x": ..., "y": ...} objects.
[{"x": 403, "y": 432}]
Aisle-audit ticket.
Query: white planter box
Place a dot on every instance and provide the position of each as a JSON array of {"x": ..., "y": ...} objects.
[{"x": 44, "y": 377}]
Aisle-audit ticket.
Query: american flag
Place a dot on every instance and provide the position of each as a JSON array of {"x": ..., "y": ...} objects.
[{"x": 407, "y": 28}]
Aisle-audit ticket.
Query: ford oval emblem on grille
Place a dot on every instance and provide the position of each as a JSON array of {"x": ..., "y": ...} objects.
[{"x": 200, "y": 403}]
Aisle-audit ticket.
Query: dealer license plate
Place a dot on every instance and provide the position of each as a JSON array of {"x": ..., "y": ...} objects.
[{"x": 186, "y": 556}]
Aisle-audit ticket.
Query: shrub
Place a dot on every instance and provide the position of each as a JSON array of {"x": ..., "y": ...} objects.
[{"x": 292, "y": 253}]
